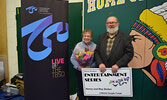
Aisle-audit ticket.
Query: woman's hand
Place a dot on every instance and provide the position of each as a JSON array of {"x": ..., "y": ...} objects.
[{"x": 80, "y": 67}]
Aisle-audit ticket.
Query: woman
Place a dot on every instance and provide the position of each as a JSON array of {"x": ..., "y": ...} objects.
[{"x": 80, "y": 60}]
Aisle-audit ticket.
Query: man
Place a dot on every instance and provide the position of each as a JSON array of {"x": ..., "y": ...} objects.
[{"x": 114, "y": 49}]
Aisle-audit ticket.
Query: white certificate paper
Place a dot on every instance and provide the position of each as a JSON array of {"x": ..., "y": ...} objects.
[{"x": 96, "y": 83}]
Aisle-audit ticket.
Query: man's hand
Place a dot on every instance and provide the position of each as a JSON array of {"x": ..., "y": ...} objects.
[
  {"x": 115, "y": 68},
  {"x": 102, "y": 68}
]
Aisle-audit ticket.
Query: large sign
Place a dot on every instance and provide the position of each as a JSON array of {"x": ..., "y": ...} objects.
[
  {"x": 96, "y": 83},
  {"x": 45, "y": 49}
]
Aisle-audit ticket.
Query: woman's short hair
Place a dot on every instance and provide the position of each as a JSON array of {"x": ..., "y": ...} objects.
[{"x": 89, "y": 31}]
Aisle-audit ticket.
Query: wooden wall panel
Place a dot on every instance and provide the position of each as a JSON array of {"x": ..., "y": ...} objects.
[{"x": 3, "y": 34}]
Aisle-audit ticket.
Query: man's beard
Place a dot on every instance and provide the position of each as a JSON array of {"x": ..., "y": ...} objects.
[{"x": 112, "y": 31}]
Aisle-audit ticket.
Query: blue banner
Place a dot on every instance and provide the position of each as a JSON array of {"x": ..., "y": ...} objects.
[{"x": 45, "y": 36}]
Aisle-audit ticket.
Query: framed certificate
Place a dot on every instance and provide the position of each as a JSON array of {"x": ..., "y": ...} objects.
[{"x": 96, "y": 83}]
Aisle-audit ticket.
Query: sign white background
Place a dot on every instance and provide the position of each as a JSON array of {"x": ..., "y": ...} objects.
[{"x": 104, "y": 85}]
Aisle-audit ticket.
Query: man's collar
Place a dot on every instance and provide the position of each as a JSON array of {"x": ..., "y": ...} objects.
[{"x": 112, "y": 36}]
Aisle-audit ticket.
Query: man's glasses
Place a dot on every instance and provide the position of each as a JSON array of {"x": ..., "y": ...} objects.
[{"x": 111, "y": 22}]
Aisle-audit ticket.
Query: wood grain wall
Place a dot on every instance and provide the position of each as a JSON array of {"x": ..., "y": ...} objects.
[{"x": 3, "y": 35}]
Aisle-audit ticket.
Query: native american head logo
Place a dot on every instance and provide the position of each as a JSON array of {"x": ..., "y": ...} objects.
[{"x": 149, "y": 39}]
